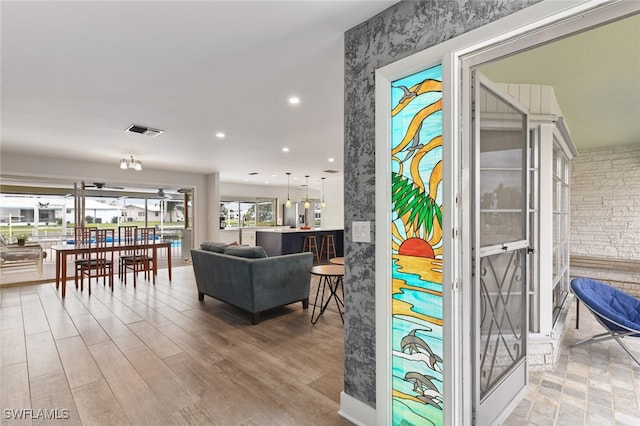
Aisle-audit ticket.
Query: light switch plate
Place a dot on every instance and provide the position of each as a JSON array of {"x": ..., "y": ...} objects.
[{"x": 361, "y": 231}]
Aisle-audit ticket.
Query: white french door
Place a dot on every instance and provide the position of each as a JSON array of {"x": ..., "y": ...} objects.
[{"x": 499, "y": 248}]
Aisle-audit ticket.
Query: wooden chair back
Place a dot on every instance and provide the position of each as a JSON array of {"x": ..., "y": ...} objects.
[
  {"x": 127, "y": 236},
  {"x": 82, "y": 236},
  {"x": 100, "y": 257}
]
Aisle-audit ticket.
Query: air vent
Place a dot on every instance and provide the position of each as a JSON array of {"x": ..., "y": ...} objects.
[
  {"x": 143, "y": 130},
  {"x": 331, "y": 171},
  {"x": 253, "y": 173}
]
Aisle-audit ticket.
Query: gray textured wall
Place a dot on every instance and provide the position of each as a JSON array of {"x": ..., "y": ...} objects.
[{"x": 401, "y": 30}]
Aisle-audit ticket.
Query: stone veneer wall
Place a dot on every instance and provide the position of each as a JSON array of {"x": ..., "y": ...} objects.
[
  {"x": 605, "y": 211},
  {"x": 404, "y": 29}
]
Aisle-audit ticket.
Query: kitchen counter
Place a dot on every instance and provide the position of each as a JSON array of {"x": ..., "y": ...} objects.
[{"x": 284, "y": 240}]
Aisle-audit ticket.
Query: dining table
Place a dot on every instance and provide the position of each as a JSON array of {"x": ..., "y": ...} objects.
[{"x": 64, "y": 250}]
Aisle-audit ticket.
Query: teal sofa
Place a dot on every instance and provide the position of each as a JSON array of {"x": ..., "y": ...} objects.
[{"x": 246, "y": 278}]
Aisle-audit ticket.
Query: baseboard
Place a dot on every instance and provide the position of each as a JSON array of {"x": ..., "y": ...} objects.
[{"x": 356, "y": 411}]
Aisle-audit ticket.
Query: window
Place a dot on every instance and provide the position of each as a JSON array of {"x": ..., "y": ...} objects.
[
  {"x": 560, "y": 169},
  {"x": 248, "y": 212}
]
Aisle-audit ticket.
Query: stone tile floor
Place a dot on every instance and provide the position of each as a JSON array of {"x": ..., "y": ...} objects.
[{"x": 597, "y": 384}]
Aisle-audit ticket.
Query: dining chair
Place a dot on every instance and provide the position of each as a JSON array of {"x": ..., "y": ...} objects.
[
  {"x": 142, "y": 260},
  {"x": 100, "y": 259},
  {"x": 81, "y": 237},
  {"x": 126, "y": 237}
]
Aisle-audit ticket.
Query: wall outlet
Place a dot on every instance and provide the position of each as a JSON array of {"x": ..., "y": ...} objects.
[{"x": 361, "y": 231}]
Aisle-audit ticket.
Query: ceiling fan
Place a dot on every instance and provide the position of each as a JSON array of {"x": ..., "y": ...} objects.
[
  {"x": 101, "y": 185},
  {"x": 162, "y": 194}
]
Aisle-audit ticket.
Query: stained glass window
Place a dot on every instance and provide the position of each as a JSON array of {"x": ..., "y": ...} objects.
[{"x": 417, "y": 248}]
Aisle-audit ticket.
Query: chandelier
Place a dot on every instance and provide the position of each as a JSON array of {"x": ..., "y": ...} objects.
[{"x": 131, "y": 164}]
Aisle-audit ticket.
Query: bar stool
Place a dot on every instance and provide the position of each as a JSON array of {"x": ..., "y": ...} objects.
[
  {"x": 328, "y": 246},
  {"x": 310, "y": 244}
]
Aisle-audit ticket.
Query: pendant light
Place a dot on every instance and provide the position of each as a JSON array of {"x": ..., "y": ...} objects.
[
  {"x": 306, "y": 204},
  {"x": 288, "y": 203},
  {"x": 323, "y": 205}
]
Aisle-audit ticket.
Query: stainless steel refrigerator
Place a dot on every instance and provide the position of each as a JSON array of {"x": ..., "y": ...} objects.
[{"x": 295, "y": 215}]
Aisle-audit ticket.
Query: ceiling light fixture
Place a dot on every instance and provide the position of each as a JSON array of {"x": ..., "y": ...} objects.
[
  {"x": 220, "y": 135},
  {"x": 131, "y": 164},
  {"x": 285, "y": 149},
  {"x": 323, "y": 205},
  {"x": 331, "y": 160},
  {"x": 294, "y": 100},
  {"x": 288, "y": 203},
  {"x": 306, "y": 204}
]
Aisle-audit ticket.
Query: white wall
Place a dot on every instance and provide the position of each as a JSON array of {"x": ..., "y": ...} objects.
[
  {"x": 605, "y": 202},
  {"x": 333, "y": 213},
  {"x": 296, "y": 192}
]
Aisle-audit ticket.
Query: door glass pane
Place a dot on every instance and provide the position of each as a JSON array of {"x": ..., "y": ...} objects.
[{"x": 502, "y": 152}]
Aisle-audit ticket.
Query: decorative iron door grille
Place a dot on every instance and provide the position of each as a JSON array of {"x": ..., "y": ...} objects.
[{"x": 502, "y": 287}]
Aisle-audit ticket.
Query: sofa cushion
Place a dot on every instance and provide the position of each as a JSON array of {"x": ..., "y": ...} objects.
[
  {"x": 214, "y": 246},
  {"x": 256, "y": 252}
]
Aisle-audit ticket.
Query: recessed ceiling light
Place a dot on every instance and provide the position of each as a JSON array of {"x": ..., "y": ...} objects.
[
  {"x": 331, "y": 160},
  {"x": 274, "y": 175},
  {"x": 294, "y": 100},
  {"x": 246, "y": 180},
  {"x": 220, "y": 135},
  {"x": 295, "y": 178},
  {"x": 266, "y": 181},
  {"x": 285, "y": 149}
]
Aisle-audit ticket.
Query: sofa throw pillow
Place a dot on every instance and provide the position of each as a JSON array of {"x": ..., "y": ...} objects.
[
  {"x": 213, "y": 246},
  {"x": 256, "y": 252}
]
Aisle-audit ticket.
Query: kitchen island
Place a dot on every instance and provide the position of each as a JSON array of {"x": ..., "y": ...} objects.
[{"x": 283, "y": 240}]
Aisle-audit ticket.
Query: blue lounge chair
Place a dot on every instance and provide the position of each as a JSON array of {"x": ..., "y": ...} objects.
[{"x": 617, "y": 311}]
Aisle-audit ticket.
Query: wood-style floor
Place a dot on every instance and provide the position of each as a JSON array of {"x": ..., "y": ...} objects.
[{"x": 156, "y": 355}]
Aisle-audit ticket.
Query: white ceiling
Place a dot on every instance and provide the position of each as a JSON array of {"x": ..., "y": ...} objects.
[
  {"x": 76, "y": 74},
  {"x": 596, "y": 79}
]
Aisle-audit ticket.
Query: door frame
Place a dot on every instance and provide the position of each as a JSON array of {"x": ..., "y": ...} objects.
[{"x": 534, "y": 25}]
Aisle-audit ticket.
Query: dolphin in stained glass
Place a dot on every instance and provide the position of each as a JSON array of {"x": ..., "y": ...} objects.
[{"x": 416, "y": 345}]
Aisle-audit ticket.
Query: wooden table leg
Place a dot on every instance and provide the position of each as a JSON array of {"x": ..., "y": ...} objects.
[
  {"x": 154, "y": 255},
  {"x": 64, "y": 275},
  {"x": 169, "y": 261},
  {"x": 58, "y": 266}
]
